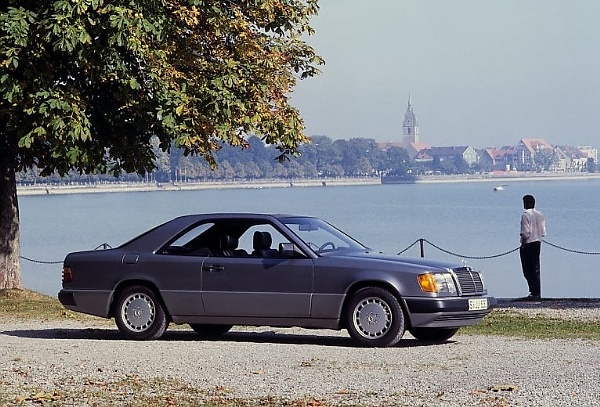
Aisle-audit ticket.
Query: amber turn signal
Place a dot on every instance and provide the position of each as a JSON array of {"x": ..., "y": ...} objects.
[{"x": 427, "y": 283}]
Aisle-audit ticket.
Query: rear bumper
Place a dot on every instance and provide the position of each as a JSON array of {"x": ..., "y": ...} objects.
[
  {"x": 91, "y": 302},
  {"x": 445, "y": 312}
]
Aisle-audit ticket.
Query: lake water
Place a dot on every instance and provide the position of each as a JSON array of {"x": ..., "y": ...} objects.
[{"x": 469, "y": 219}]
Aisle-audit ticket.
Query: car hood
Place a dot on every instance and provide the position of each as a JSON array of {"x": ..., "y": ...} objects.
[{"x": 418, "y": 264}]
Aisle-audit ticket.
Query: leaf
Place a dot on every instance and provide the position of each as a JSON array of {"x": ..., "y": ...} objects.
[
  {"x": 40, "y": 131},
  {"x": 133, "y": 83},
  {"x": 25, "y": 141},
  {"x": 504, "y": 387}
]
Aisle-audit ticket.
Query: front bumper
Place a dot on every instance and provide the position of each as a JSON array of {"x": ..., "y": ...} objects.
[{"x": 445, "y": 312}]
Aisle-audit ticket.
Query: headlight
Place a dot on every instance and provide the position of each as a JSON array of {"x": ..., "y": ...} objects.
[{"x": 437, "y": 283}]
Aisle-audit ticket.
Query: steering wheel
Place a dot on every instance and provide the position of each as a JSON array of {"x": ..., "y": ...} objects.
[
  {"x": 313, "y": 246},
  {"x": 324, "y": 245}
]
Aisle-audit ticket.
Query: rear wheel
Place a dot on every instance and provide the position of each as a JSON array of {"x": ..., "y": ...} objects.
[
  {"x": 433, "y": 334},
  {"x": 209, "y": 330},
  {"x": 139, "y": 314},
  {"x": 375, "y": 318}
]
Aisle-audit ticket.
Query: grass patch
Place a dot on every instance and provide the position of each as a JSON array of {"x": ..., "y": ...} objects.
[
  {"x": 27, "y": 304},
  {"x": 514, "y": 323}
]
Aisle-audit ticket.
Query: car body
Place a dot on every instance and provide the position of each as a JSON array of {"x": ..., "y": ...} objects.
[{"x": 213, "y": 271}]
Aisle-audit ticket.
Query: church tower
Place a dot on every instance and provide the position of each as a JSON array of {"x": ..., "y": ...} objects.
[{"x": 410, "y": 127}]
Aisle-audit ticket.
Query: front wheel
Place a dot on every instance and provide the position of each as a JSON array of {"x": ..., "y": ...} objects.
[
  {"x": 139, "y": 314},
  {"x": 433, "y": 334},
  {"x": 375, "y": 318}
]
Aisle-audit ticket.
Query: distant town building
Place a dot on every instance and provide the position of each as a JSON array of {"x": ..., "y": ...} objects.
[
  {"x": 526, "y": 152},
  {"x": 410, "y": 134},
  {"x": 530, "y": 154},
  {"x": 496, "y": 159},
  {"x": 569, "y": 159},
  {"x": 453, "y": 154},
  {"x": 414, "y": 148},
  {"x": 410, "y": 126},
  {"x": 590, "y": 152}
]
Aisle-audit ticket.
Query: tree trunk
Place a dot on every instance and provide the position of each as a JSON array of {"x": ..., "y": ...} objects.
[{"x": 10, "y": 267}]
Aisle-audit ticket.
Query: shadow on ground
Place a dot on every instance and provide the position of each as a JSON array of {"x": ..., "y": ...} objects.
[{"x": 179, "y": 334}]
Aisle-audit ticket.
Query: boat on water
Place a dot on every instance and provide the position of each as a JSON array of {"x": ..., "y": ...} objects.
[{"x": 499, "y": 187}]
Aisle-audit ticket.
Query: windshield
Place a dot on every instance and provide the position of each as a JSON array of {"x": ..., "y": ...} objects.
[{"x": 320, "y": 235}]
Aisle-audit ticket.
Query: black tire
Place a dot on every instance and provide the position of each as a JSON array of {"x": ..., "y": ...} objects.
[
  {"x": 139, "y": 314},
  {"x": 210, "y": 330},
  {"x": 433, "y": 334},
  {"x": 375, "y": 318}
]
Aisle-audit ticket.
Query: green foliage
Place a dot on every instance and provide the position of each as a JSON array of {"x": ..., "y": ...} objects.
[
  {"x": 85, "y": 84},
  {"x": 322, "y": 157},
  {"x": 26, "y": 304},
  {"x": 513, "y": 323}
]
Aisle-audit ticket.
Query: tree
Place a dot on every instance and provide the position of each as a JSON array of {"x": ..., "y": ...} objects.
[
  {"x": 590, "y": 165},
  {"x": 85, "y": 84},
  {"x": 395, "y": 161},
  {"x": 320, "y": 152},
  {"x": 356, "y": 155}
]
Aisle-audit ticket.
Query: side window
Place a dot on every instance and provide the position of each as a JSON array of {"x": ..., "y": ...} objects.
[
  {"x": 262, "y": 240},
  {"x": 193, "y": 242}
]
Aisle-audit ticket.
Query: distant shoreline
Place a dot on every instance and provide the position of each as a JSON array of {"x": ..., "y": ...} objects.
[
  {"x": 42, "y": 189},
  {"x": 61, "y": 189},
  {"x": 498, "y": 177}
]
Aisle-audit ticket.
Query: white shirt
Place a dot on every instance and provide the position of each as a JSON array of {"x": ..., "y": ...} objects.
[{"x": 533, "y": 226}]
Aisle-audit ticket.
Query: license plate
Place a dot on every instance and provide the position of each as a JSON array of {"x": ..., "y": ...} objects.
[{"x": 478, "y": 304}]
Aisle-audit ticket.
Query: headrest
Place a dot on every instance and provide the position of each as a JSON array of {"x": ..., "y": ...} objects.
[
  {"x": 261, "y": 240},
  {"x": 228, "y": 242}
]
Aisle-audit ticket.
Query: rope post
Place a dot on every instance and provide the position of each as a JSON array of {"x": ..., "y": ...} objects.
[{"x": 421, "y": 240}]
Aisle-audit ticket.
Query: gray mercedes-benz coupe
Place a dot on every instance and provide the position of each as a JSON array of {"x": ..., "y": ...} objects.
[{"x": 213, "y": 271}]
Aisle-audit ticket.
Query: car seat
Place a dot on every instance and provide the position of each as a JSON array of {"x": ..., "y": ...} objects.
[
  {"x": 229, "y": 246},
  {"x": 261, "y": 243}
]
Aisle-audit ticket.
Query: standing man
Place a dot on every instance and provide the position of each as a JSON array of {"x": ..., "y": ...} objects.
[{"x": 533, "y": 229}]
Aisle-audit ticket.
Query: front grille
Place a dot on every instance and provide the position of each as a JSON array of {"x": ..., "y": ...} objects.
[{"x": 469, "y": 281}]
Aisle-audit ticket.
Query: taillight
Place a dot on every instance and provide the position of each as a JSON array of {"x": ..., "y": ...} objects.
[{"x": 67, "y": 274}]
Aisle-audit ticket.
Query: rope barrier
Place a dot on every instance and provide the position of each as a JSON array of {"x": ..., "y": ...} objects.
[
  {"x": 103, "y": 246},
  {"x": 570, "y": 250},
  {"x": 421, "y": 241},
  {"x": 472, "y": 257},
  {"x": 40, "y": 261},
  {"x": 402, "y": 251}
]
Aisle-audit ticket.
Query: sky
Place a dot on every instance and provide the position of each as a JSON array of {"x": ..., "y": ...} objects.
[{"x": 484, "y": 73}]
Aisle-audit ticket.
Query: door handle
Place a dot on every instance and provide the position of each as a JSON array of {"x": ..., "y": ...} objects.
[{"x": 213, "y": 268}]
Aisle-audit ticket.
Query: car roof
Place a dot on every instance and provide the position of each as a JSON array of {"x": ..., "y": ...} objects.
[{"x": 246, "y": 215}]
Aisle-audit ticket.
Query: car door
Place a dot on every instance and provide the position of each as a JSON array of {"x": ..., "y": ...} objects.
[
  {"x": 180, "y": 283},
  {"x": 252, "y": 286},
  {"x": 177, "y": 271}
]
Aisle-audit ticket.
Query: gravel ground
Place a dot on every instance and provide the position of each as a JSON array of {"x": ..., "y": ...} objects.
[{"x": 41, "y": 361}]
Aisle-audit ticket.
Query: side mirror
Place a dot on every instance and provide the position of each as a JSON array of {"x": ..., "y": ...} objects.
[{"x": 290, "y": 251}]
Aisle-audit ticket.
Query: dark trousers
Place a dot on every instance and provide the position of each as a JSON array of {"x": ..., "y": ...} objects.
[{"x": 530, "y": 261}]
